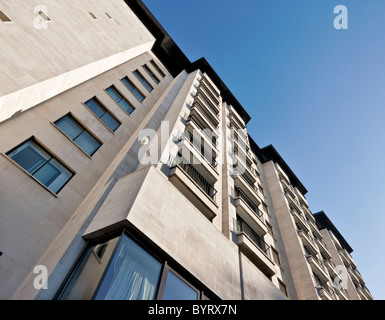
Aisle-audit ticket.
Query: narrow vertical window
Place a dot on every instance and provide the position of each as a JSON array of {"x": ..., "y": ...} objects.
[
  {"x": 151, "y": 74},
  {"x": 157, "y": 68},
  {"x": 39, "y": 163},
  {"x": 146, "y": 84},
  {"x": 103, "y": 114},
  {"x": 135, "y": 91},
  {"x": 123, "y": 102},
  {"x": 78, "y": 134}
]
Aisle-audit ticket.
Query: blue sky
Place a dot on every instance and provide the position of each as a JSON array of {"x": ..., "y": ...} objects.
[{"x": 316, "y": 93}]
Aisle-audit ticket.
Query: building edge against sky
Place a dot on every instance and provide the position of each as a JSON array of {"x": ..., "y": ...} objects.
[{"x": 75, "y": 198}]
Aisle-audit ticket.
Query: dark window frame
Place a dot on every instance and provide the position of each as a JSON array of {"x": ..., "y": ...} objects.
[
  {"x": 157, "y": 68},
  {"x": 143, "y": 80},
  {"x": 122, "y": 96},
  {"x": 85, "y": 129},
  {"x": 133, "y": 89},
  {"x": 108, "y": 111},
  {"x": 52, "y": 156},
  {"x": 151, "y": 73}
]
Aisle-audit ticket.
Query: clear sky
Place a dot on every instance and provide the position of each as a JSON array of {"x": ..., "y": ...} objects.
[{"x": 315, "y": 93}]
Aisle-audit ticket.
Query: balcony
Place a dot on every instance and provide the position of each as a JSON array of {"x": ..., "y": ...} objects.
[
  {"x": 280, "y": 171},
  {"x": 361, "y": 293},
  {"x": 342, "y": 293},
  {"x": 210, "y": 101},
  {"x": 236, "y": 121},
  {"x": 241, "y": 181},
  {"x": 208, "y": 121},
  {"x": 349, "y": 258},
  {"x": 323, "y": 247},
  {"x": 244, "y": 164},
  {"x": 194, "y": 186},
  {"x": 331, "y": 268},
  {"x": 255, "y": 248},
  {"x": 212, "y": 88},
  {"x": 247, "y": 209},
  {"x": 206, "y": 156},
  {"x": 308, "y": 214},
  {"x": 358, "y": 276},
  {"x": 325, "y": 292},
  {"x": 196, "y": 125},
  {"x": 307, "y": 240},
  {"x": 344, "y": 259},
  {"x": 367, "y": 293},
  {"x": 317, "y": 267},
  {"x": 353, "y": 276},
  {"x": 335, "y": 240},
  {"x": 209, "y": 108},
  {"x": 299, "y": 219},
  {"x": 313, "y": 227}
]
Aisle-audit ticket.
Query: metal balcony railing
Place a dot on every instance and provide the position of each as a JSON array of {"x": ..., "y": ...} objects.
[
  {"x": 203, "y": 129},
  {"x": 209, "y": 118},
  {"x": 239, "y": 193},
  {"x": 209, "y": 155},
  {"x": 242, "y": 226},
  {"x": 206, "y": 100},
  {"x": 193, "y": 173}
]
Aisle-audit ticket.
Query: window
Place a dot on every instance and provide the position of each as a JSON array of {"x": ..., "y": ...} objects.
[
  {"x": 4, "y": 17},
  {"x": 143, "y": 80},
  {"x": 157, "y": 68},
  {"x": 41, "y": 165},
  {"x": 122, "y": 101},
  {"x": 127, "y": 82},
  {"x": 178, "y": 289},
  {"x": 151, "y": 74},
  {"x": 283, "y": 288},
  {"x": 275, "y": 255},
  {"x": 78, "y": 134},
  {"x": 103, "y": 114},
  {"x": 121, "y": 269}
]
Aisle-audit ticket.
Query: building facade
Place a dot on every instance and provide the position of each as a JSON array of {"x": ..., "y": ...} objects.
[{"x": 127, "y": 172}]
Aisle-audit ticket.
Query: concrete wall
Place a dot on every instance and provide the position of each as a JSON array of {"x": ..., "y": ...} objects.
[
  {"x": 68, "y": 50},
  {"x": 300, "y": 270}
]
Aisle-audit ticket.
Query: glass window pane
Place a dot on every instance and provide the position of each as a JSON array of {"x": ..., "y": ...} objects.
[
  {"x": 133, "y": 89},
  {"x": 177, "y": 289},
  {"x": 69, "y": 126},
  {"x": 110, "y": 121},
  {"x": 41, "y": 165},
  {"x": 120, "y": 99},
  {"x": 47, "y": 174},
  {"x": 88, "y": 143},
  {"x": 143, "y": 80},
  {"x": 133, "y": 274},
  {"x": 55, "y": 182},
  {"x": 95, "y": 107},
  {"x": 126, "y": 106},
  {"x": 29, "y": 156},
  {"x": 85, "y": 279},
  {"x": 114, "y": 94}
]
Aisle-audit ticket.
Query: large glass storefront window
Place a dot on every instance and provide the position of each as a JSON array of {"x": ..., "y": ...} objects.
[{"x": 120, "y": 269}]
